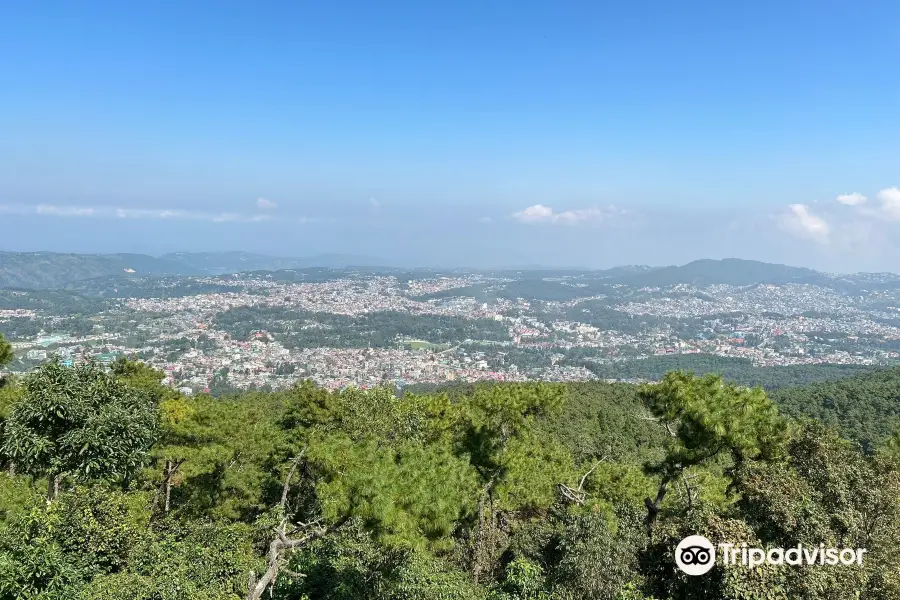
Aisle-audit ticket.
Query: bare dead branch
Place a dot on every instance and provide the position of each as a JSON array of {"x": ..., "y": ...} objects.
[
  {"x": 586, "y": 475},
  {"x": 165, "y": 486},
  {"x": 666, "y": 424},
  {"x": 576, "y": 496},
  {"x": 277, "y": 555},
  {"x": 284, "y": 541},
  {"x": 287, "y": 480}
]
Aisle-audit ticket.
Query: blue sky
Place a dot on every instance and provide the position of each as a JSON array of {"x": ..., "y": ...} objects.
[{"x": 576, "y": 133}]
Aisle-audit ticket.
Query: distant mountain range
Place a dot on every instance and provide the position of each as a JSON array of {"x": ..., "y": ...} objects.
[
  {"x": 46, "y": 270},
  {"x": 728, "y": 271},
  {"x": 49, "y": 270},
  {"x": 218, "y": 263}
]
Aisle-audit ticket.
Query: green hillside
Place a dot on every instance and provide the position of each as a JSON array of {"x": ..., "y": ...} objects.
[
  {"x": 114, "y": 487},
  {"x": 729, "y": 271},
  {"x": 48, "y": 270}
]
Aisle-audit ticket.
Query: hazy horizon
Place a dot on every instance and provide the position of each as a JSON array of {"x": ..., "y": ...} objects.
[{"x": 403, "y": 263}]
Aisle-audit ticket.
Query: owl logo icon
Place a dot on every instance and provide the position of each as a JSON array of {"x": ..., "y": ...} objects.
[{"x": 695, "y": 555}]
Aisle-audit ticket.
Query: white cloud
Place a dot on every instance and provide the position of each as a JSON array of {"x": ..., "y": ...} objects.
[
  {"x": 142, "y": 213},
  {"x": 890, "y": 203},
  {"x": 64, "y": 211},
  {"x": 265, "y": 204},
  {"x": 802, "y": 223},
  {"x": 544, "y": 214},
  {"x": 238, "y": 218},
  {"x": 854, "y": 199},
  {"x": 534, "y": 214},
  {"x": 111, "y": 212},
  {"x": 576, "y": 216}
]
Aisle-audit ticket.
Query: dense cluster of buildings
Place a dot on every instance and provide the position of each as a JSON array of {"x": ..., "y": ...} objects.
[{"x": 770, "y": 325}]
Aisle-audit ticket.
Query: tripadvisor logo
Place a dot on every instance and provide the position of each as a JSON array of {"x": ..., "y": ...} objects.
[{"x": 696, "y": 555}]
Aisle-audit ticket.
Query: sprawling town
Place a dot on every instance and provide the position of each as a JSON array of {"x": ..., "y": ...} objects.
[{"x": 368, "y": 329}]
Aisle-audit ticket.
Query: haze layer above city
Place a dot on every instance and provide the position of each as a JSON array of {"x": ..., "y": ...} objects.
[{"x": 455, "y": 134}]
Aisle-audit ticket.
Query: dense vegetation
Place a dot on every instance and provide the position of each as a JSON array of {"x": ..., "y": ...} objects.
[
  {"x": 304, "y": 329},
  {"x": 57, "y": 301},
  {"x": 123, "y": 286},
  {"x": 864, "y": 408},
  {"x": 47, "y": 270},
  {"x": 115, "y": 487},
  {"x": 739, "y": 370}
]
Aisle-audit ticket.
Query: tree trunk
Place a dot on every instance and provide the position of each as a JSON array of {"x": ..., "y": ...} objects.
[
  {"x": 169, "y": 470},
  {"x": 479, "y": 542},
  {"x": 53, "y": 487},
  {"x": 487, "y": 536},
  {"x": 654, "y": 505},
  {"x": 11, "y": 469}
]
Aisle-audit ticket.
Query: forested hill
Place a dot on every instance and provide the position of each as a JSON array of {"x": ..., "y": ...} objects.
[
  {"x": 113, "y": 487},
  {"x": 740, "y": 272},
  {"x": 864, "y": 408},
  {"x": 862, "y": 403},
  {"x": 729, "y": 271},
  {"x": 738, "y": 370},
  {"x": 51, "y": 270}
]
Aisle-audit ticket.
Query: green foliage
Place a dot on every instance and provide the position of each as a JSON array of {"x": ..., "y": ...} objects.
[
  {"x": 188, "y": 558},
  {"x": 383, "y": 459},
  {"x": 32, "y": 563},
  {"x": 708, "y": 416},
  {"x": 524, "y": 580},
  {"x": 664, "y": 580},
  {"x": 490, "y": 492},
  {"x": 352, "y": 565},
  {"x": 372, "y": 330},
  {"x": 741, "y": 371},
  {"x": 407, "y": 494},
  {"x": 864, "y": 408},
  {"x": 142, "y": 377},
  {"x": 424, "y": 577},
  {"x": 94, "y": 544},
  {"x": 80, "y": 422},
  {"x": 613, "y": 484},
  {"x": 131, "y": 586},
  {"x": 54, "y": 548},
  {"x": 529, "y": 471},
  {"x": 498, "y": 434},
  {"x": 597, "y": 556},
  {"x": 6, "y": 353},
  {"x": 602, "y": 420},
  {"x": 17, "y": 493},
  {"x": 97, "y": 528},
  {"x": 222, "y": 449},
  {"x": 828, "y": 492},
  {"x": 366, "y": 414},
  {"x": 10, "y": 394}
]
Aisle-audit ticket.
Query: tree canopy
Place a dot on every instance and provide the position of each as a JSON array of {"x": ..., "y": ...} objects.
[{"x": 490, "y": 491}]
